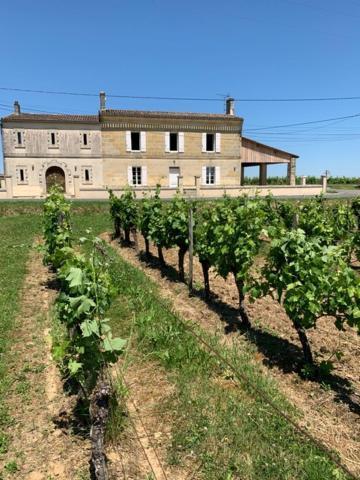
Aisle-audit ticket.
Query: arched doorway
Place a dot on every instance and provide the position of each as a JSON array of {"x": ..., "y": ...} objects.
[{"x": 55, "y": 176}]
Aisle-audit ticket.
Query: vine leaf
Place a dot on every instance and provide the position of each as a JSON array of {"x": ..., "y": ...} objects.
[
  {"x": 113, "y": 344},
  {"x": 75, "y": 277}
]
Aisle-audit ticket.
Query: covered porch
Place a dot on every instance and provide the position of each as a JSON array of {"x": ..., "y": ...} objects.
[{"x": 255, "y": 154}]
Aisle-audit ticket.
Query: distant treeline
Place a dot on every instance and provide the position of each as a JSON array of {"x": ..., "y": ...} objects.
[{"x": 310, "y": 180}]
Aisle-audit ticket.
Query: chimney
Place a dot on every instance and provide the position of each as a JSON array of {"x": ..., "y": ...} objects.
[
  {"x": 16, "y": 107},
  {"x": 102, "y": 101},
  {"x": 230, "y": 106}
]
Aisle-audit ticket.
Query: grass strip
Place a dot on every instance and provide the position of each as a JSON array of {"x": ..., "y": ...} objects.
[{"x": 229, "y": 433}]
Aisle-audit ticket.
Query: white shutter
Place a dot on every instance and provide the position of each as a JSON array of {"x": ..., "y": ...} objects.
[
  {"x": 143, "y": 141},
  {"x": 181, "y": 142},
  {"x": 167, "y": 141},
  {"x": 217, "y": 175},
  {"x": 144, "y": 176},
  {"x": 218, "y": 142},
  {"x": 203, "y": 175},
  {"x": 128, "y": 141},
  {"x": 130, "y": 181},
  {"x": 204, "y": 142}
]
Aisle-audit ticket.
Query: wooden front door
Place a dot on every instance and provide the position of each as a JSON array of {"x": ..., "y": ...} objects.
[{"x": 55, "y": 176}]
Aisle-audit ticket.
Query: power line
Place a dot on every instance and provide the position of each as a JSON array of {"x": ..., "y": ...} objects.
[
  {"x": 303, "y": 123},
  {"x": 192, "y": 99}
]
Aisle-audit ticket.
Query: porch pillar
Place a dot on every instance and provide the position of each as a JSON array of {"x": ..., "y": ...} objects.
[
  {"x": 291, "y": 173},
  {"x": 242, "y": 175},
  {"x": 263, "y": 173}
]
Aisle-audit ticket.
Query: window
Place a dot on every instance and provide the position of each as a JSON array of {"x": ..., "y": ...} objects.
[
  {"x": 53, "y": 139},
  {"x": 135, "y": 141},
  {"x": 210, "y": 142},
  {"x": 210, "y": 176},
  {"x": 136, "y": 176},
  {"x": 19, "y": 138},
  {"x": 86, "y": 174},
  {"x": 85, "y": 140},
  {"x": 173, "y": 141},
  {"x": 21, "y": 175}
]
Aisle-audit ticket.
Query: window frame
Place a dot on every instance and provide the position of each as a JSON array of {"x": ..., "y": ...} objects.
[
  {"x": 171, "y": 135},
  {"x": 136, "y": 174},
  {"x": 213, "y": 136},
  {"x": 19, "y": 134},
  {"x": 210, "y": 174},
  {"x": 132, "y": 132}
]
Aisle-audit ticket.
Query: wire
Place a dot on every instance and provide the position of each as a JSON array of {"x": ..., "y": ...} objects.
[
  {"x": 210, "y": 99},
  {"x": 303, "y": 123}
]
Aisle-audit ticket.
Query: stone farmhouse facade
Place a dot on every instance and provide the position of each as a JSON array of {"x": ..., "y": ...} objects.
[{"x": 203, "y": 155}]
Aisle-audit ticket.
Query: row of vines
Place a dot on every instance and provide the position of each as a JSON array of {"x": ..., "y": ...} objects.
[
  {"x": 87, "y": 347},
  {"x": 310, "y": 250}
]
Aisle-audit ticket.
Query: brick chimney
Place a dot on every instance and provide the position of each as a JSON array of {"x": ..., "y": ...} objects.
[
  {"x": 102, "y": 101},
  {"x": 230, "y": 106},
  {"x": 17, "y": 108}
]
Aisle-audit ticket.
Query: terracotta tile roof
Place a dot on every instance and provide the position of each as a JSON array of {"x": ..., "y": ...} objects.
[
  {"x": 157, "y": 114},
  {"x": 47, "y": 117},
  {"x": 274, "y": 149}
]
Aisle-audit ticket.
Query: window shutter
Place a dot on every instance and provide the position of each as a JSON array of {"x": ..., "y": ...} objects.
[
  {"x": 203, "y": 175},
  {"x": 181, "y": 142},
  {"x": 204, "y": 142},
  {"x": 218, "y": 142},
  {"x": 217, "y": 175},
  {"x": 128, "y": 141},
  {"x": 144, "y": 176},
  {"x": 130, "y": 182},
  {"x": 143, "y": 141},
  {"x": 167, "y": 141}
]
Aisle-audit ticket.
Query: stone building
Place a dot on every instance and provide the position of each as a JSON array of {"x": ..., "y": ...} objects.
[{"x": 202, "y": 154}]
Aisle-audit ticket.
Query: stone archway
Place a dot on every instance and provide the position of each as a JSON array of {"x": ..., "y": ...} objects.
[{"x": 55, "y": 176}]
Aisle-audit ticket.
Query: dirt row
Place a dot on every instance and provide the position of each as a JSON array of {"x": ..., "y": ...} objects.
[
  {"x": 44, "y": 443},
  {"x": 330, "y": 411}
]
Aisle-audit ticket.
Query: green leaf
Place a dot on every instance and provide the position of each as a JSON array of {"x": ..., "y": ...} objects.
[
  {"x": 113, "y": 344},
  {"x": 74, "y": 367},
  {"x": 89, "y": 327},
  {"x": 75, "y": 277}
]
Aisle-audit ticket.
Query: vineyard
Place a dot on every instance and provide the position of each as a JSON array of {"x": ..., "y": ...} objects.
[{"x": 147, "y": 374}]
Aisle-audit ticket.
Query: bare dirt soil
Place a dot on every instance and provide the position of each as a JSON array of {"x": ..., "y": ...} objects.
[
  {"x": 330, "y": 410},
  {"x": 43, "y": 444}
]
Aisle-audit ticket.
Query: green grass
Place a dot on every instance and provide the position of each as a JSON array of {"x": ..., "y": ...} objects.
[{"x": 231, "y": 432}]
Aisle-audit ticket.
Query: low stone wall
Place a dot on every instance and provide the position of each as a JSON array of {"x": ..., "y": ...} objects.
[{"x": 210, "y": 192}]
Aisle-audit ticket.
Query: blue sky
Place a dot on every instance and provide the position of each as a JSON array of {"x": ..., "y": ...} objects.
[{"x": 249, "y": 49}]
